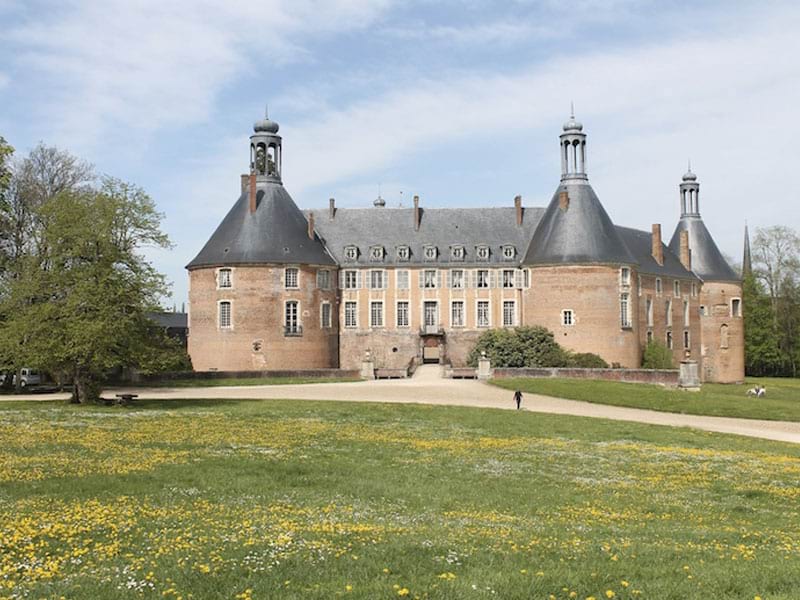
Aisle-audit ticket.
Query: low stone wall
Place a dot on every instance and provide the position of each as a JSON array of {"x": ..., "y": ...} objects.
[
  {"x": 657, "y": 376},
  {"x": 209, "y": 375}
]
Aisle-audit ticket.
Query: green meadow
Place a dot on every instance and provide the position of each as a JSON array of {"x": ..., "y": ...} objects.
[{"x": 290, "y": 500}]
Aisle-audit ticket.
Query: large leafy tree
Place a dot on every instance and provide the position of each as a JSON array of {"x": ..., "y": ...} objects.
[
  {"x": 78, "y": 306},
  {"x": 762, "y": 352}
]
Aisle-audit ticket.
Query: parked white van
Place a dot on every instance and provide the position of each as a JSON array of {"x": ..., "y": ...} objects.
[{"x": 27, "y": 377}]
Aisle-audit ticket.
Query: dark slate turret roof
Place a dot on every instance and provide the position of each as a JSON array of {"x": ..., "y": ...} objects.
[
  {"x": 581, "y": 234},
  {"x": 276, "y": 233},
  {"x": 640, "y": 245},
  {"x": 440, "y": 227},
  {"x": 707, "y": 261}
]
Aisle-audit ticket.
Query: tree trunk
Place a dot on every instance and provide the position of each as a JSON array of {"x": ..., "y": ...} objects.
[{"x": 18, "y": 381}]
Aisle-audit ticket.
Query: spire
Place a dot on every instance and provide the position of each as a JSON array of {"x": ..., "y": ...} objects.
[
  {"x": 747, "y": 263},
  {"x": 690, "y": 194},
  {"x": 573, "y": 150}
]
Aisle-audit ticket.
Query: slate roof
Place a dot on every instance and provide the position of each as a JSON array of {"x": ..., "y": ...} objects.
[
  {"x": 581, "y": 234},
  {"x": 707, "y": 261},
  {"x": 440, "y": 227},
  {"x": 169, "y": 320},
  {"x": 277, "y": 232},
  {"x": 640, "y": 245}
]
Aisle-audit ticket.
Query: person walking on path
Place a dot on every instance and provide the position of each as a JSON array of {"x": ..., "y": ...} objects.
[{"x": 518, "y": 398}]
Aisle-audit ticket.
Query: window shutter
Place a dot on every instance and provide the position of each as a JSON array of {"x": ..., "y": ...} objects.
[
  {"x": 518, "y": 279},
  {"x": 449, "y": 279},
  {"x": 341, "y": 280},
  {"x": 369, "y": 280},
  {"x": 358, "y": 280},
  {"x": 421, "y": 275},
  {"x": 492, "y": 278},
  {"x": 385, "y": 279},
  {"x": 439, "y": 279}
]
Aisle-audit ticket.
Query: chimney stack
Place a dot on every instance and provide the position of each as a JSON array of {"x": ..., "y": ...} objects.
[
  {"x": 252, "y": 193},
  {"x": 658, "y": 249},
  {"x": 518, "y": 207},
  {"x": 245, "y": 183},
  {"x": 311, "y": 226},
  {"x": 416, "y": 213},
  {"x": 685, "y": 251},
  {"x": 331, "y": 208},
  {"x": 563, "y": 200}
]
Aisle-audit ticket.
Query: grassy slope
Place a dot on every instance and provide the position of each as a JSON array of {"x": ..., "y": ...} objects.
[
  {"x": 782, "y": 402},
  {"x": 203, "y": 499}
]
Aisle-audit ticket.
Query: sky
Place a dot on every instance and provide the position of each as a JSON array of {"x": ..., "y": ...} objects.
[{"x": 460, "y": 103}]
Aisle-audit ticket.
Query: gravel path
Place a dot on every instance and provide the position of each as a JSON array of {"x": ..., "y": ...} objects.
[{"x": 428, "y": 387}]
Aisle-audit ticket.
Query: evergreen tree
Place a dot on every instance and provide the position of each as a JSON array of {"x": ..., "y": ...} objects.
[{"x": 762, "y": 354}]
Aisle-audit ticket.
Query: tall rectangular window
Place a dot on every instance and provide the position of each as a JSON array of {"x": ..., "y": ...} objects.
[
  {"x": 676, "y": 288},
  {"x": 323, "y": 279},
  {"x": 225, "y": 315},
  {"x": 376, "y": 279},
  {"x": 224, "y": 279},
  {"x": 686, "y": 340},
  {"x": 290, "y": 277},
  {"x": 669, "y": 340},
  {"x": 402, "y": 279},
  {"x": 686, "y": 313},
  {"x": 567, "y": 317},
  {"x": 508, "y": 278},
  {"x": 325, "y": 315},
  {"x": 429, "y": 278},
  {"x": 658, "y": 286},
  {"x": 668, "y": 313},
  {"x": 509, "y": 313},
  {"x": 649, "y": 309},
  {"x": 625, "y": 276},
  {"x": 483, "y": 313},
  {"x": 639, "y": 285},
  {"x": 291, "y": 316},
  {"x": 351, "y": 280},
  {"x": 376, "y": 314},
  {"x": 624, "y": 311},
  {"x": 457, "y": 313},
  {"x": 736, "y": 307},
  {"x": 351, "y": 314},
  {"x": 694, "y": 289},
  {"x": 402, "y": 314},
  {"x": 482, "y": 278},
  {"x": 456, "y": 279}
]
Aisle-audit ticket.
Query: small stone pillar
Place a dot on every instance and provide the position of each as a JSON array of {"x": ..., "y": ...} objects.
[
  {"x": 484, "y": 367},
  {"x": 367, "y": 366},
  {"x": 689, "y": 376}
]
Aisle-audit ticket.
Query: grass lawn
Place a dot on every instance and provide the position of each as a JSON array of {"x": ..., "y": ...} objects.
[
  {"x": 291, "y": 500},
  {"x": 232, "y": 382},
  {"x": 782, "y": 402}
]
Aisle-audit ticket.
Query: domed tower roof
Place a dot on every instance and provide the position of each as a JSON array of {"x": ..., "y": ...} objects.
[
  {"x": 575, "y": 228},
  {"x": 264, "y": 226},
  {"x": 707, "y": 261}
]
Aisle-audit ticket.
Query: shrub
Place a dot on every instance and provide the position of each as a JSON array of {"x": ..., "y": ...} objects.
[
  {"x": 520, "y": 347},
  {"x": 657, "y": 356},
  {"x": 587, "y": 360}
]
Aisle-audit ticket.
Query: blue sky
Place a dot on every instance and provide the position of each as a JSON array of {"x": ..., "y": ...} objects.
[{"x": 459, "y": 102}]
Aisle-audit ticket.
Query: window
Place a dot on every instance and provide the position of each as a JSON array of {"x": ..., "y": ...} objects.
[
  {"x": 431, "y": 314},
  {"x": 482, "y": 253},
  {"x": 649, "y": 337},
  {"x": 457, "y": 279},
  {"x": 457, "y": 313},
  {"x": 290, "y": 319},
  {"x": 483, "y": 313},
  {"x": 290, "y": 277},
  {"x": 508, "y": 278},
  {"x": 658, "y": 286},
  {"x": 351, "y": 314},
  {"x": 482, "y": 280},
  {"x": 224, "y": 278},
  {"x": 402, "y": 280},
  {"x": 225, "y": 320},
  {"x": 509, "y": 313},
  {"x": 403, "y": 253},
  {"x": 377, "y": 281},
  {"x": 639, "y": 285},
  {"x": 429, "y": 278},
  {"x": 509, "y": 252},
  {"x": 685, "y": 313},
  {"x": 567, "y": 317},
  {"x": 430, "y": 252},
  {"x": 736, "y": 307},
  {"x": 668, "y": 313},
  {"x": 649, "y": 310},
  {"x": 694, "y": 289},
  {"x": 376, "y": 253},
  {"x": 625, "y": 276},
  {"x": 457, "y": 253},
  {"x": 376, "y": 314},
  {"x": 351, "y": 252},
  {"x": 624, "y": 311},
  {"x": 686, "y": 344},
  {"x": 323, "y": 279},
  {"x": 676, "y": 289},
  {"x": 402, "y": 314},
  {"x": 669, "y": 340},
  {"x": 350, "y": 280},
  {"x": 325, "y": 315},
  {"x": 526, "y": 278}
]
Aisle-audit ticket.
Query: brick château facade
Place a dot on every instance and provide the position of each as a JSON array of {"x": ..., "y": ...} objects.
[{"x": 280, "y": 288}]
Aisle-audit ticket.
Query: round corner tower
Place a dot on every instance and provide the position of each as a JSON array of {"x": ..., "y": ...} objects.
[{"x": 262, "y": 291}]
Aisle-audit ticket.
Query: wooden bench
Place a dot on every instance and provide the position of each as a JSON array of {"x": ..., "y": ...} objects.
[{"x": 125, "y": 399}]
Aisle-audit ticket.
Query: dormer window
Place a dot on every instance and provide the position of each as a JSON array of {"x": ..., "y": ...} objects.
[
  {"x": 351, "y": 252},
  {"x": 403, "y": 253},
  {"x": 456, "y": 252},
  {"x": 509, "y": 252},
  {"x": 482, "y": 253},
  {"x": 430, "y": 252},
  {"x": 376, "y": 253}
]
